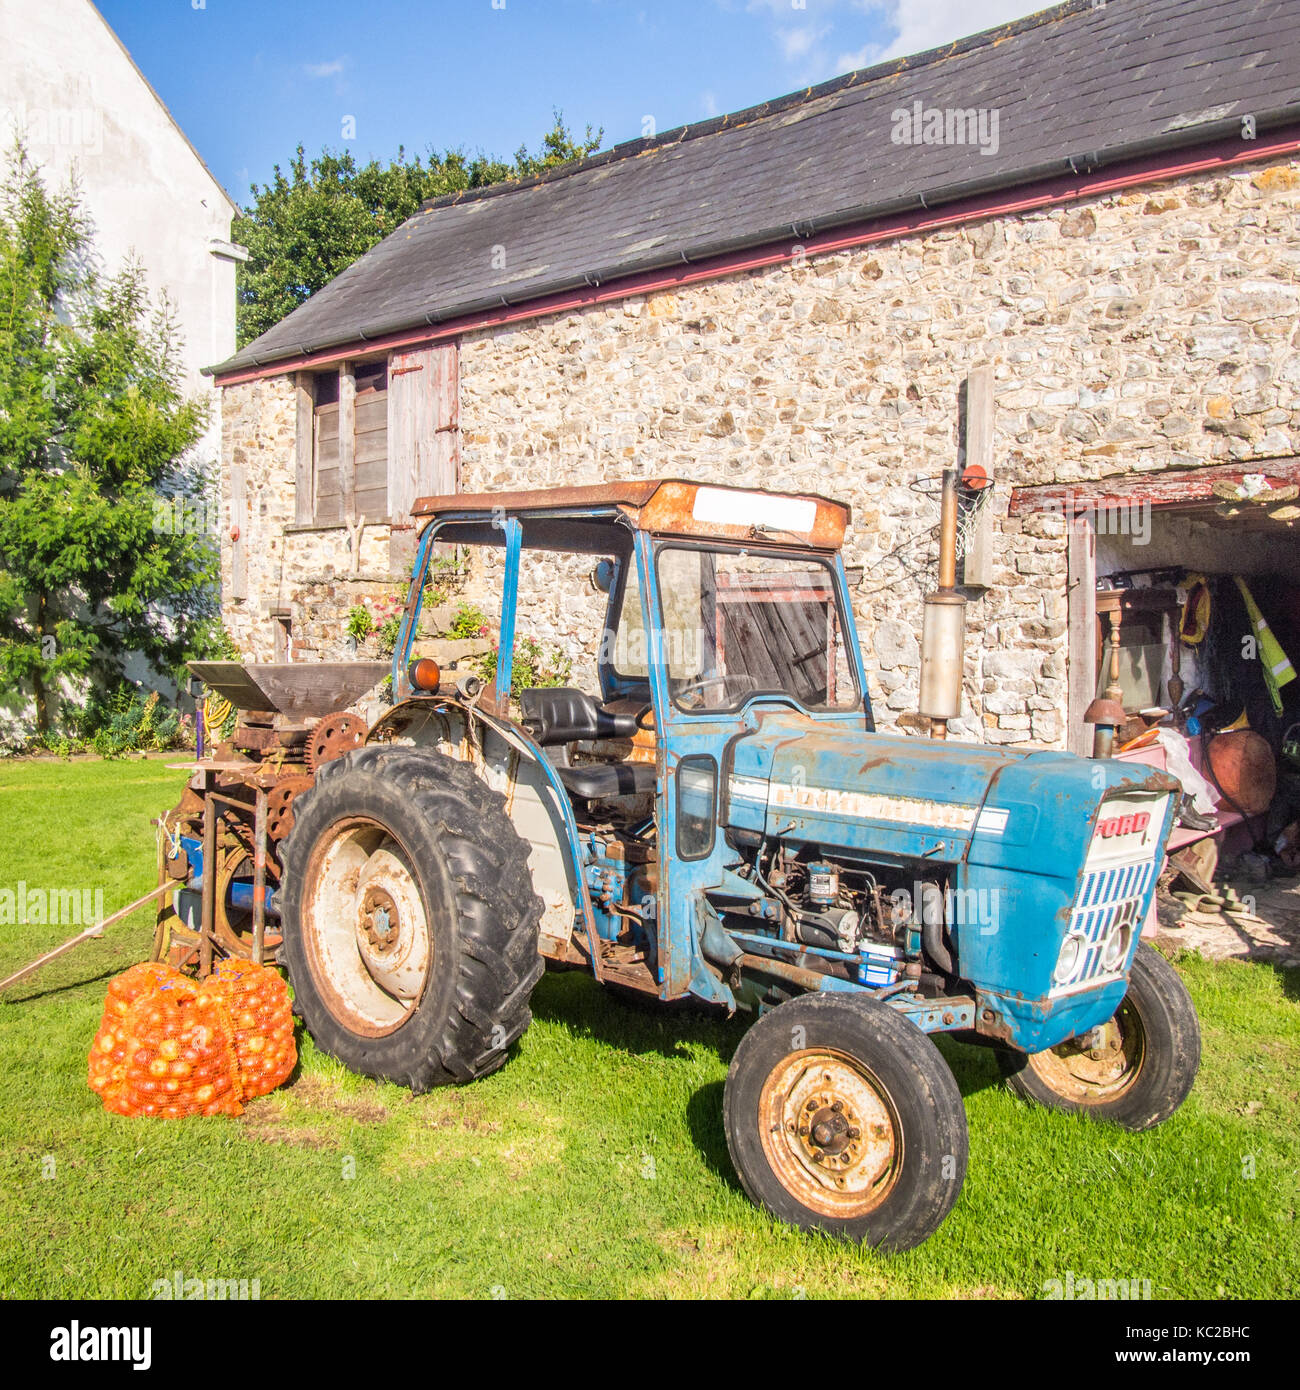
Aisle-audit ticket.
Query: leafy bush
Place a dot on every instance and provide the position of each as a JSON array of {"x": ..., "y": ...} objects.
[
  {"x": 468, "y": 622},
  {"x": 360, "y": 623},
  {"x": 126, "y": 721},
  {"x": 533, "y": 666},
  {"x": 387, "y": 631}
]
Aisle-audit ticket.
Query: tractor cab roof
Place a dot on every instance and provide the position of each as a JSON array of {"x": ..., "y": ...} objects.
[{"x": 598, "y": 519}]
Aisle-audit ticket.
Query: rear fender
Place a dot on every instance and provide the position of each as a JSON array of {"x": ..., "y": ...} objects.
[{"x": 512, "y": 764}]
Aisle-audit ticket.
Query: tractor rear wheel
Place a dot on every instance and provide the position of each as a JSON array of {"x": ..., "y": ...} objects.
[
  {"x": 842, "y": 1116},
  {"x": 409, "y": 917},
  {"x": 1139, "y": 1069}
]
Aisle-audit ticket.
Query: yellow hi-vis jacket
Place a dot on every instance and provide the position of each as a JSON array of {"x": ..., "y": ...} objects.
[{"x": 1278, "y": 670}]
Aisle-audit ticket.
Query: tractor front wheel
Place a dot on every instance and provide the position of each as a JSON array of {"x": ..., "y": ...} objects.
[
  {"x": 1134, "y": 1071},
  {"x": 410, "y": 921},
  {"x": 842, "y": 1116}
]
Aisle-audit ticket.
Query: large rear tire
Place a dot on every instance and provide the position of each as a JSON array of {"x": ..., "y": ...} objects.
[
  {"x": 842, "y": 1116},
  {"x": 1141, "y": 1067},
  {"x": 410, "y": 921}
]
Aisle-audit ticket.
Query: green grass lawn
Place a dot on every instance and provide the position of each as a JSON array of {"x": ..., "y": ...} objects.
[{"x": 594, "y": 1162}]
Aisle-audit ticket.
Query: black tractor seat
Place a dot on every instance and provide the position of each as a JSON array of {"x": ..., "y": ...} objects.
[
  {"x": 563, "y": 714},
  {"x": 596, "y": 781}
]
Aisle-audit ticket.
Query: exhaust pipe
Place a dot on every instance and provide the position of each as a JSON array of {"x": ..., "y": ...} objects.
[{"x": 943, "y": 631}]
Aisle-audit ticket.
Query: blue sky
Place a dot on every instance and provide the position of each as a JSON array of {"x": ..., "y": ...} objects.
[{"x": 249, "y": 79}]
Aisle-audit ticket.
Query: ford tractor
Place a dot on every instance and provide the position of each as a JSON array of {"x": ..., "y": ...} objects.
[{"x": 718, "y": 820}]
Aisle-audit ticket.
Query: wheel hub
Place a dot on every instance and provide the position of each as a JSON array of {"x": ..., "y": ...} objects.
[
  {"x": 830, "y": 1133},
  {"x": 367, "y": 929},
  {"x": 1099, "y": 1066}
]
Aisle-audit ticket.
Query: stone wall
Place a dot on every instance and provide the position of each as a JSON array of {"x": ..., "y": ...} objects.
[{"x": 1132, "y": 332}]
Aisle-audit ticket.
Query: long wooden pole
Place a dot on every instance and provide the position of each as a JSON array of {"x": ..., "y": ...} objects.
[{"x": 96, "y": 930}]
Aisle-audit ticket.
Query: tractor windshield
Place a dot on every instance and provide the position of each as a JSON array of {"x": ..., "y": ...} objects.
[{"x": 741, "y": 622}]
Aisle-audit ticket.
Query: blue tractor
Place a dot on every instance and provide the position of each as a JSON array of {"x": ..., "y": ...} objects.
[{"x": 720, "y": 821}]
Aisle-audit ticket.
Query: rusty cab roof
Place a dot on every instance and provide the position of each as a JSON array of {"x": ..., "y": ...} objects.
[{"x": 661, "y": 506}]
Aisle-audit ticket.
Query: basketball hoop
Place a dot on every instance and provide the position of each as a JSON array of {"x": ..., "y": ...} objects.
[{"x": 973, "y": 496}]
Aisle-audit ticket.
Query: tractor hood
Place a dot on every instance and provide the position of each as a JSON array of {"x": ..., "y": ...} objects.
[{"x": 797, "y": 778}]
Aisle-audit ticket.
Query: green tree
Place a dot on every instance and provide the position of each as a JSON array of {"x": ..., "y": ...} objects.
[
  {"x": 308, "y": 225},
  {"x": 94, "y": 430}
]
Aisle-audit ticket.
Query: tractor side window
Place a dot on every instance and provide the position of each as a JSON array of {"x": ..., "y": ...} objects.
[
  {"x": 631, "y": 657},
  {"x": 697, "y": 797}
]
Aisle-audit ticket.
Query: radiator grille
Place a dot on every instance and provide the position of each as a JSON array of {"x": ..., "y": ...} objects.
[{"x": 1107, "y": 896}]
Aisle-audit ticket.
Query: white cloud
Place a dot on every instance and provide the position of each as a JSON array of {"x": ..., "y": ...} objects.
[
  {"x": 709, "y": 103},
  {"x": 798, "y": 43},
  {"x": 819, "y": 39},
  {"x": 332, "y": 68},
  {"x": 923, "y": 24}
]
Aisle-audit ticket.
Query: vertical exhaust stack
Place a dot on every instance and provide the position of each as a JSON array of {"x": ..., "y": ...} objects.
[{"x": 943, "y": 632}]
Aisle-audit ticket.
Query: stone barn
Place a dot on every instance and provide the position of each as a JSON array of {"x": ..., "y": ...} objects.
[{"x": 1063, "y": 255}]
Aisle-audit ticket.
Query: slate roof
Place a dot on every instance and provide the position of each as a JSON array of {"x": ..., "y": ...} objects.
[{"x": 1074, "y": 83}]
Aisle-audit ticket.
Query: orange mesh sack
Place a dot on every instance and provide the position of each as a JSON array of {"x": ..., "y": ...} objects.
[
  {"x": 170, "y": 1047},
  {"x": 258, "y": 1000},
  {"x": 108, "y": 1053},
  {"x": 179, "y": 1055}
]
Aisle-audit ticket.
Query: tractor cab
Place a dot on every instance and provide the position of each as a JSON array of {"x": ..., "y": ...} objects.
[{"x": 720, "y": 606}]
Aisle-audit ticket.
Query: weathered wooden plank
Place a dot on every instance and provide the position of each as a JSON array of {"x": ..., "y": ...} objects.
[
  {"x": 409, "y": 421},
  {"x": 1081, "y": 654},
  {"x": 443, "y": 477},
  {"x": 1186, "y": 486},
  {"x": 372, "y": 503},
  {"x": 371, "y": 447},
  {"x": 304, "y": 453},
  {"x": 347, "y": 440},
  {"x": 238, "y": 527},
  {"x": 977, "y": 557},
  {"x": 372, "y": 412},
  {"x": 371, "y": 474},
  {"x": 447, "y": 386}
]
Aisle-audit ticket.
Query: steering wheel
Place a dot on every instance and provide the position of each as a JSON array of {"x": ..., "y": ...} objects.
[
  {"x": 698, "y": 687},
  {"x": 641, "y": 716}
]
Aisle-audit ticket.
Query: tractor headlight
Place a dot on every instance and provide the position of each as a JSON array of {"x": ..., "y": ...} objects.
[
  {"x": 1068, "y": 961},
  {"x": 1114, "y": 952}
]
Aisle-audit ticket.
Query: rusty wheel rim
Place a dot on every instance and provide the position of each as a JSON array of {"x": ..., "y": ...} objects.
[
  {"x": 830, "y": 1133},
  {"x": 1097, "y": 1075},
  {"x": 365, "y": 928}
]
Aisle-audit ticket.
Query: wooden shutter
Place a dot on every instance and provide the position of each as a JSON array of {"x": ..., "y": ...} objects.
[
  {"x": 423, "y": 425},
  {"x": 325, "y": 450},
  {"x": 370, "y": 432},
  {"x": 304, "y": 475}
]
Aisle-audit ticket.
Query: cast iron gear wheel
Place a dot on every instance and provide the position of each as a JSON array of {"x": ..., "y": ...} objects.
[
  {"x": 279, "y": 805},
  {"x": 333, "y": 736},
  {"x": 409, "y": 917}
]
